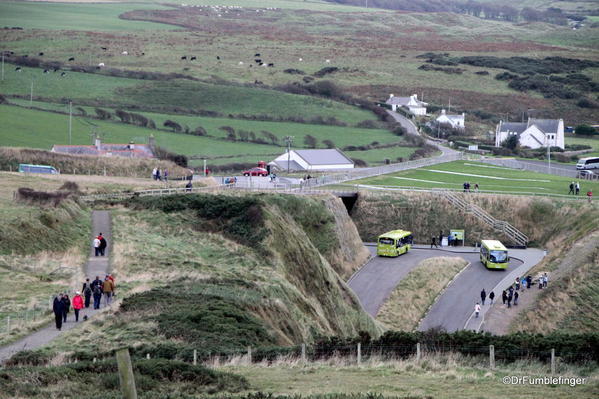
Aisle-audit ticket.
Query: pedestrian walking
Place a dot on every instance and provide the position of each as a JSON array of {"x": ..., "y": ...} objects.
[
  {"x": 465, "y": 185},
  {"x": 571, "y": 189},
  {"x": 434, "y": 242},
  {"x": 97, "y": 246},
  {"x": 158, "y": 174},
  {"x": 441, "y": 237},
  {"x": 476, "y": 187},
  {"x": 87, "y": 291},
  {"x": 58, "y": 309},
  {"x": 545, "y": 280},
  {"x": 483, "y": 296},
  {"x": 477, "y": 309},
  {"x": 103, "y": 244},
  {"x": 97, "y": 295},
  {"x": 188, "y": 186},
  {"x": 516, "y": 298},
  {"x": 107, "y": 290},
  {"x": 509, "y": 299},
  {"x": 77, "y": 304},
  {"x": 590, "y": 195},
  {"x": 492, "y": 297},
  {"x": 450, "y": 240},
  {"x": 577, "y": 188},
  {"x": 504, "y": 297},
  {"x": 165, "y": 174},
  {"x": 517, "y": 283},
  {"x": 66, "y": 302},
  {"x": 154, "y": 173},
  {"x": 529, "y": 281}
]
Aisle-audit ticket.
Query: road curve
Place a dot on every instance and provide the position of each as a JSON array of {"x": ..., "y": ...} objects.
[{"x": 375, "y": 281}]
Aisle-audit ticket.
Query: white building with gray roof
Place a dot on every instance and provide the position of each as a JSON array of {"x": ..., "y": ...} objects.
[
  {"x": 321, "y": 159},
  {"x": 535, "y": 133},
  {"x": 412, "y": 104}
]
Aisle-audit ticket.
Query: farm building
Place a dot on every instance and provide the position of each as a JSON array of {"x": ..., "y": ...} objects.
[
  {"x": 130, "y": 150},
  {"x": 412, "y": 103},
  {"x": 300, "y": 160},
  {"x": 535, "y": 133},
  {"x": 455, "y": 121}
]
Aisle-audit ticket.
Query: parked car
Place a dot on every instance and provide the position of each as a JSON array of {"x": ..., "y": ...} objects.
[
  {"x": 587, "y": 173},
  {"x": 256, "y": 172}
]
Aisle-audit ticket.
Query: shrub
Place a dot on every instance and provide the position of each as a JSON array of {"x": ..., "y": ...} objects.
[
  {"x": 586, "y": 103},
  {"x": 328, "y": 143},
  {"x": 367, "y": 124},
  {"x": 511, "y": 143},
  {"x": 103, "y": 114},
  {"x": 310, "y": 141},
  {"x": 360, "y": 163},
  {"x": 325, "y": 71},
  {"x": 173, "y": 125},
  {"x": 164, "y": 154},
  {"x": 585, "y": 130}
]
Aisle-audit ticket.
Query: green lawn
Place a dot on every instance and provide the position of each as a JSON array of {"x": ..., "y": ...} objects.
[
  {"x": 489, "y": 177},
  {"x": 378, "y": 156},
  {"x": 73, "y": 16},
  {"x": 224, "y": 99},
  {"x": 592, "y": 141}
]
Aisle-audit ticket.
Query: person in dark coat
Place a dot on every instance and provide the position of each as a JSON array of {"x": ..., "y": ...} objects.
[
  {"x": 103, "y": 244},
  {"x": 483, "y": 296},
  {"x": 492, "y": 297},
  {"x": 66, "y": 303},
  {"x": 434, "y": 242},
  {"x": 504, "y": 297},
  {"x": 528, "y": 281},
  {"x": 516, "y": 298},
  {"x": 97, "y": 295},
  {"x": 58, "y": 309},
  {"x": 87, "y": 292},
  {"x": 510, "y": 296}
]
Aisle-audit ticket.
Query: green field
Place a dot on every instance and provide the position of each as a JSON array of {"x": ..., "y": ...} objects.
[
  {"x": 453, "y": 175},
  {"x": 69, "y": 16},
  {"x": 592, "y": 141}
]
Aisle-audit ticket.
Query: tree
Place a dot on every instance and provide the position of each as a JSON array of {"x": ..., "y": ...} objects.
[
  {"x": 328, "y": 143},
  {"x": 123, "y": 116},
  {"x": 173, "y": 125},
  {"x": 230, "y": 133},
  {"x": 310, "y": 141},
  {"x": 274, "y": 140},
  {"x": 585, "y": 130},
  {"x": 512, "y": 142},
  {"x": 103, "y": 114}
]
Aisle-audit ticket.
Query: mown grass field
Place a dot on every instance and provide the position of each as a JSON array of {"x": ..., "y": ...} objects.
[
  {"x": 453, "y": 175},
  {"x": 592, "y": 141}
]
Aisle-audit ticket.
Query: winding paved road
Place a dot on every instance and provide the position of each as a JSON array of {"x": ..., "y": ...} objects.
[
  {"x": 374, "y": 282},
  {"x": 96, "y": 266}
]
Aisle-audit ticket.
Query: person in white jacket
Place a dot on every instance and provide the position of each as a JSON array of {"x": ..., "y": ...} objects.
[
  {"x": 477, "y": 309},
  {"x": 97, "y": 246}
]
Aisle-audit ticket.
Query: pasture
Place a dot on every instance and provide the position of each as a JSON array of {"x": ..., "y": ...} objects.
[{"x": 453, "y": 175}]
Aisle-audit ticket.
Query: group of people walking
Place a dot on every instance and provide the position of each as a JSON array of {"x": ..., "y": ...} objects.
[
  {"x": 467, "y": 187},
  {"x": 100, "y": 245},
  {"x": 575, "y": 190},
  {"x": 83, "y": 299},
  {"x": 512, "y": 293},
  {"x": 157, "y": 174}
]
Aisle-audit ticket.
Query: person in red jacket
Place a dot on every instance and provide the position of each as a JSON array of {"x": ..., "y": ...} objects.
[{"x": 77, "y": 304}]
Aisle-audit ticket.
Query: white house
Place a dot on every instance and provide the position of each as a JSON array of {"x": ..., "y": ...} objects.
[
  {"x": 412, "y": 103},
  {"x": 536, "y": 133},
  {"x": 300, "y": 160},
  {"x": 456, "y": 121}
]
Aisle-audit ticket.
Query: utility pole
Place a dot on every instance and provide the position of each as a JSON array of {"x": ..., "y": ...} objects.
[
  {"x": 288, "y": 140},
  {"x": 70, "y": 121},
  {"x": 548, "y": 155}
]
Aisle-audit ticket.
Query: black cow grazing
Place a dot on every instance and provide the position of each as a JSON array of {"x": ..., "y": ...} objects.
[
  {"x": 104, "y": 48},
  {"x": 184, "y": 57},
  {"x": 72, "y": 59},
  {"x": 45, "y": 71},
  {"x": 218, "y": 57},
  {"x": 262, "y": 64},
  {"x": 193, "y": 58},
  {"x": 55, "y": 69},
  {"x": 257, "y": 55},
  {"x": 271, "y": 64},
  {"x": 25, "y": 56},
  {"x": 18, "y": 69},
  {"x": 41, "y": 54},
  {"x": 258, "y": 61},
  {"x": 63, "y": 73},
  {"x": 143, "y": 53}
]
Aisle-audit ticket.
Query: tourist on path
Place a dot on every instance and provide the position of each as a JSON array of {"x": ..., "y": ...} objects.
[
  {"x": 477, "y": 309},
  {"x": 590, "y": 195},
  {"x": 97, "y": 243},
  {"x": 577, "y": 188},
  {"x": 165, "y": 174},
  {"x": 87, "y": 292},
  {"x": 107, "y": 288},
  {"x": 528, "y": 281},
  {"x": 545, "y": 280},
  {"x": 77, "y": 304},
  {"x": 571, "y": 188},
  {"x": 492, "y": 297},
  {"x": 434, "y": 242},
  {"x": 154, "y": 173},
  {"x": 483, "y": 296},
  {"x": 516, "y": 298},
  {"x": 441, "y": 237},
  {"x": 103, "y": 244},
  {"x": 58, "y": 309},
  {"x": 510, "y": 296},
  {"x": 97, "y": 295},
  {"x": 66, "y": 302},
  {"x": 504, "y": 297},
  {"x": 517, "y": 283}
]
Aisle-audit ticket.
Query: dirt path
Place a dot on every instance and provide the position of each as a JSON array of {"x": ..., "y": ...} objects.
[{"x": 96, "y": 266}]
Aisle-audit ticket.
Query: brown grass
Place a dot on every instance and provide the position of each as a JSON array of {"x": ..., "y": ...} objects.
[{"x": 413, "y": 296}]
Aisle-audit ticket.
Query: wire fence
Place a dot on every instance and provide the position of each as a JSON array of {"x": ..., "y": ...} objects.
[{"x": 38, "y": 312}]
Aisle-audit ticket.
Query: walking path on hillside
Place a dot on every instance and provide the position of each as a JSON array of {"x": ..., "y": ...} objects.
[
  {"x": 376, "y": 280},
  {"x": 96, "y": 266}
]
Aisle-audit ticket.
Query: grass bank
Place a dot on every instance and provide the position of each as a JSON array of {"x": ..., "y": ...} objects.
[{"x": 412, "y": 297}]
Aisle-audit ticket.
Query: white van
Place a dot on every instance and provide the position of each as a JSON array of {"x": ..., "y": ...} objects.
[{"x": 588, "y": 163}]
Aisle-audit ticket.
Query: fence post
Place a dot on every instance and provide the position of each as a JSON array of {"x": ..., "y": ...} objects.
[
  {"x": 492, "y": 356},
  {"x": 195, "y": 357},
  {"x": 304, "y": 353},
  {"x": 126, "y": 377},
  {"x": 359, "y": 357},
  {"x": 552, "y": 361},
  {"x": 249, "y": 355},
  {"x": 418, "y": 351},
  {"x": 8, "y": 324}
]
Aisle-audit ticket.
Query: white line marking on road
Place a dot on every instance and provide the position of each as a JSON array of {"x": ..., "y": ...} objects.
[{"x": 485, "y": 177}]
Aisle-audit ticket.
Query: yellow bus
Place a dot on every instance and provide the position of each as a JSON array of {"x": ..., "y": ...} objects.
[
  {"x": 394, "y": 243},
  {"x": 493, "y": 254}
]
